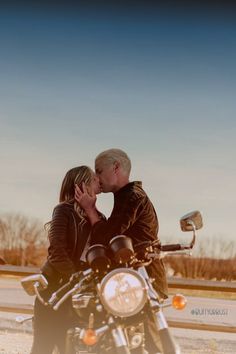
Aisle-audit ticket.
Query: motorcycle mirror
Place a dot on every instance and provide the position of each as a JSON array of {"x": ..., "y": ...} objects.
[
  {"x": 191, "y": 221},
  {"x": 37, "y": 280},
  {"x": 20, "y": 319}
]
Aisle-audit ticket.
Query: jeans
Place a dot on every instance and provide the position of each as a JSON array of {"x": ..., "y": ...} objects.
[{"x": 50, "y": 326}]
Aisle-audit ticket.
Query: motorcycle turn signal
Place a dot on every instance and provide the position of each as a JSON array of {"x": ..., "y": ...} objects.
[
  {"x": 179, "y": 301},
  {"x": 89, "y": 337}
]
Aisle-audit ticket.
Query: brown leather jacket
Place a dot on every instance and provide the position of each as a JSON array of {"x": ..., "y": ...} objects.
[
  {"x": 133, "y": 215},
  {"x": 67, "y": 237}
]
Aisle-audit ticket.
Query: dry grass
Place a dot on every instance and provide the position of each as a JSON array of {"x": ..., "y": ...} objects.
[
  {"x": 214, "y": 259},
  {"x": 23, "y": 241},
  {"x": 33, "y": 256},
  {"x": 201, "y": 268}
]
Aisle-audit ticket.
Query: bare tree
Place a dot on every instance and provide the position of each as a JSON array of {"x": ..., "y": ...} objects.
[{"x": 22, "y": 239}]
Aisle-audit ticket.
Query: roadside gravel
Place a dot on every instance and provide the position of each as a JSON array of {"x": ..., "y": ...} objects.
[
  {"x": 20, "y": 343},
  {"x": 15, "y": 343}
]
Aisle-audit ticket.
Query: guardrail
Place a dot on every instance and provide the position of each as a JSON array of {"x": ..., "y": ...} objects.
[
  {"x": 191, "y": 284},
  {"x": 177, "y": 283},
  {"x": 20, "y": 271}
]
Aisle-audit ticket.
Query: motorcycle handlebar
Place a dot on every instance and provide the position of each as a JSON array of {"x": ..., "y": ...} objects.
[
  {"x": 56, "y": 296},
  {"x": 76, "y": 278},
  {"x": 171, "y": 247}
]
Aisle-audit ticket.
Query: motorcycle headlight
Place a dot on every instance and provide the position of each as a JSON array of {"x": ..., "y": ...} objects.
[{"x": 123, "y": 292}]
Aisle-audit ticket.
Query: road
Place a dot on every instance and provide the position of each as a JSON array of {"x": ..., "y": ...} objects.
[
  {"x": 206, "y": 310},
  {"x": 198, "y": 309}
]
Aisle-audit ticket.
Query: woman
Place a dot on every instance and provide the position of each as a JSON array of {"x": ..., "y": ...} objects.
[{"x": 69, "y": 231}]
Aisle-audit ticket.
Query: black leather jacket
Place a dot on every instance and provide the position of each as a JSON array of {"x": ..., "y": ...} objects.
[
  {"x": 67, "y": 238},
  {"x": 133, "y": 215}
]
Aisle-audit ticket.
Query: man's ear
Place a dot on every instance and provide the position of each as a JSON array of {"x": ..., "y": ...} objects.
[{"x": 116, "y": 166}]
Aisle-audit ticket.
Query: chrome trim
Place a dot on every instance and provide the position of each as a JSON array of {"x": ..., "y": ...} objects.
[
  {"x": 127, "y": 271},
  {"x": 119, "y": 337},
  {"x": 160, "y": 320}
]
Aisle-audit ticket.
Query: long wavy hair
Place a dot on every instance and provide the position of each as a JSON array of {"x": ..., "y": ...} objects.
[{"x": 76, "y": 175}]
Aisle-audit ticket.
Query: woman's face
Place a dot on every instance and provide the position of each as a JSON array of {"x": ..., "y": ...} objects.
[{"x": 94, "y": 186}]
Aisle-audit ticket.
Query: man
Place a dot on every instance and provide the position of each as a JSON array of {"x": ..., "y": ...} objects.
[{"x": 133, "y": 214}]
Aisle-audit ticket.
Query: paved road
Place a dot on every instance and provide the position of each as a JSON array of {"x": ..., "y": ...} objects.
[
  {"x": 202, "y": 309},
  {"x": 20, "y": 343},
  {"x": 198, "y": 309}
]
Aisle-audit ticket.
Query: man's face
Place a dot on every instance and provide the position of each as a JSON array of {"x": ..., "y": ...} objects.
[{"x": 107, "y": 176}]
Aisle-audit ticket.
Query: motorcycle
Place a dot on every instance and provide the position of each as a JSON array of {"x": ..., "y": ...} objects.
[{"x": 114, "y": 297}]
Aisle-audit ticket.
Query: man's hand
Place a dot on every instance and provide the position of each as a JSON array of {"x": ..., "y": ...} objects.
[{"x": 85, "y": 200}]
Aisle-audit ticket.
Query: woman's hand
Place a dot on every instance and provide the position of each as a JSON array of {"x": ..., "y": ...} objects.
[{"x": 86, "y": 201}]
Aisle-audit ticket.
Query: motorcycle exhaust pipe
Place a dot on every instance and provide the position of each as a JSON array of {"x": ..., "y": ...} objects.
[{"x": 168, "y": 343}]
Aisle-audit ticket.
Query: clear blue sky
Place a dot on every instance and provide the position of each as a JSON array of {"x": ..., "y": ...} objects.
[{"x": 159, "y": 84}]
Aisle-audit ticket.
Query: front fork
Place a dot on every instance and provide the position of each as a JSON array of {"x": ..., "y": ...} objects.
[{"x": 168, "y": 343}]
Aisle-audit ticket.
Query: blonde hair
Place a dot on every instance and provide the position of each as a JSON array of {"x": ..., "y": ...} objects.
[
  {"x": 115, "y": 155},
  {"x": 76, "y": 175}
]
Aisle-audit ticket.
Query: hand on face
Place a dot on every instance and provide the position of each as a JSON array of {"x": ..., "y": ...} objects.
[{"x": 85, "y": 199}]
